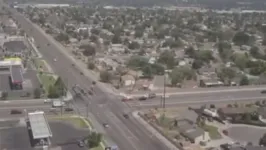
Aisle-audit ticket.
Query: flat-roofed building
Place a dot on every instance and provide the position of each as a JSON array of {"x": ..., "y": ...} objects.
[
  {"x": 16, "y": 77},
  {"x": 39, "y": 129}
]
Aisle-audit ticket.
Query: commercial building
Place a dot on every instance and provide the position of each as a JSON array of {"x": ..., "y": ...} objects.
[
  {"x": 14, "y": 48},
  {"x": 13, "y": 67},
  {"x": 39, "y": 129},
  {"x": 16, "y": 77}
]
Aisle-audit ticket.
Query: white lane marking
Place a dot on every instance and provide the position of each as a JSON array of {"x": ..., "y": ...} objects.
[{"x": 200, "y": 101}]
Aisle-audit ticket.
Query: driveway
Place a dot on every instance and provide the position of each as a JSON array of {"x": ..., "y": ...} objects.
[{"x": 246, "y": 133}]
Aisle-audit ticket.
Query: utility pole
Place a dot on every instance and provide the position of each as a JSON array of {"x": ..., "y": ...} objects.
[
  {"x": 87, "y": 110},
  {"x": 164, "y": 90}
]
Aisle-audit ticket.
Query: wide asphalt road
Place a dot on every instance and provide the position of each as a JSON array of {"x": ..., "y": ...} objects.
[
  {"x": 126, "y": 133},
  {"x": 201, "y": 97}
]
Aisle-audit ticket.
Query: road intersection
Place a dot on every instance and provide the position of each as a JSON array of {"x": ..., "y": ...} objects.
[{"x": 108, "y": 108}]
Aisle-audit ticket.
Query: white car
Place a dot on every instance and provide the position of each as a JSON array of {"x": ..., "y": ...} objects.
[
  {"x": 55, "y": 59},
  {"x": 47, "y": 101}
]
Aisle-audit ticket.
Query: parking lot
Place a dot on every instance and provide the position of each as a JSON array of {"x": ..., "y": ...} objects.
[
  {"x": 64, "y": 136},
  {"x": 246, "y": 133},
  {"x": 29, "y": 84}
]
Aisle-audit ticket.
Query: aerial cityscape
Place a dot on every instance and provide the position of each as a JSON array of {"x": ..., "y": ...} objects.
[{"x": 133, "y": 75}]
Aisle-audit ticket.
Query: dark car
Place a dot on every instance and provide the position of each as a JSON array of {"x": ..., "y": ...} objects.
[
  {"x": 142, "y": 98},
  {"x": 15, "y": 111},
  {"x": 69, "y": 109},
  {"x": 263, "y": 92},
  {"x": 152, "y": 95},
  {"x": 126, "y": 116},
  {"x": 225, "y": 146},
  {"x": 48, "y": 44},
  {"x": 90, "y": 92}
]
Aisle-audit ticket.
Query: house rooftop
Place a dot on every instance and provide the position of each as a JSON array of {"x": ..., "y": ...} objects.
[{"x": 15, "y": 46}]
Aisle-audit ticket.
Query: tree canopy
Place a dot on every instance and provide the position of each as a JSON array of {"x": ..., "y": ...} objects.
[
  {"x": 167, "y": 58},
  {"x": 241, "y": 38}
]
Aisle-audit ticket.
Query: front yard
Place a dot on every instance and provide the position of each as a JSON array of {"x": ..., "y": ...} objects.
[{"x": 213, "y": 131}]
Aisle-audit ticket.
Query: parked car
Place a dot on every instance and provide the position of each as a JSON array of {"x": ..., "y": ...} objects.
[
  {"x": 47, "y": 101},
  {"x": 152, "y": 95},
  {"x": 69, "y": 109},
  {"x": 15, "y": 111},
  {"x": 105, "y": 125},
  {"x": 225, "y": 132},
  {"x": 143, "y": 98},
  {"x": 127, "y": 98},
  {"x": 263, "y": 92},
  {"x": 81, "y": 144},
  {"x": 126, "y": 115}
]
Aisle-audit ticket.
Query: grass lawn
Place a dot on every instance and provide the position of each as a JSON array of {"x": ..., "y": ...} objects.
[
  {"x": 46, "y": 80},
  {"x": 40, "y": 65},
  {"x": 77, "y": 122},
  {"x": 213, "y": 131}
]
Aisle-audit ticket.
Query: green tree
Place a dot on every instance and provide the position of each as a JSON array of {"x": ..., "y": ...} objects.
[
  {"x": 91, "y": 65},
  {"x": 190, "y": 51},
  {"x": 53, "y": 92},
  {"x": 254, "y": 51},
  {"x": 95, "y": 31},
  {"x": 60, "y": 86},
  {"x": 133, "y": 45},
  {"x": 244, "y": 81},
  {"x": 240, "y": 61},
  {"x": 4, "y": 95},
  {"x": 105, "y": 76},
  {"x": 37, "y": 93},
  {"x": 177, "y": 77},
  {"x": 262, "y": 141},
  {"x": 168, "y": 59},
  {"x": 241, "y": 38},
  {"x": 88, "y": 50},
  {"x": 225, "y": 50},
  {"x": 93, "y": 139},
  {"x": 62, "y": 37},
  {"x": 139, "y": 33},
  {"x": 147, "y": 71},
  {"x": 137, "y": 62},
  {"x": 197, "y": 64},
  {"x": 205, "y": 56},
  {"x": 227, "y": 74},
  {"x": 116, "y": 39}
]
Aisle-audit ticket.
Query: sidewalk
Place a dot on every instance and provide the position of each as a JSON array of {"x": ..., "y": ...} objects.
[{"x": 154, "y": 131}]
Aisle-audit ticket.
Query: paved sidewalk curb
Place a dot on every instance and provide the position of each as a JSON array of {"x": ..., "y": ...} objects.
[{"x": 154, "y": 131}]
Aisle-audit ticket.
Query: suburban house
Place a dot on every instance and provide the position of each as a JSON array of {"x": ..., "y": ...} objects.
[
  {"x": 128, "y": 80},
  {"x": 117, "y": 48},
  {"x": 192, "y": 132}
]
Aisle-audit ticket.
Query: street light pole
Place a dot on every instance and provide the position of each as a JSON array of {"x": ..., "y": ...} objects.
[
  {"x": 87, "y": 110},
  {"x": 164, "y": 90}
]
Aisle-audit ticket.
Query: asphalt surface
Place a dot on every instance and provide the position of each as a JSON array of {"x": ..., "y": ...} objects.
[
  {"x": 66, "y": 136},
  {"x": 201, "y": 97},
  {"x": 126, "y": 133}
]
